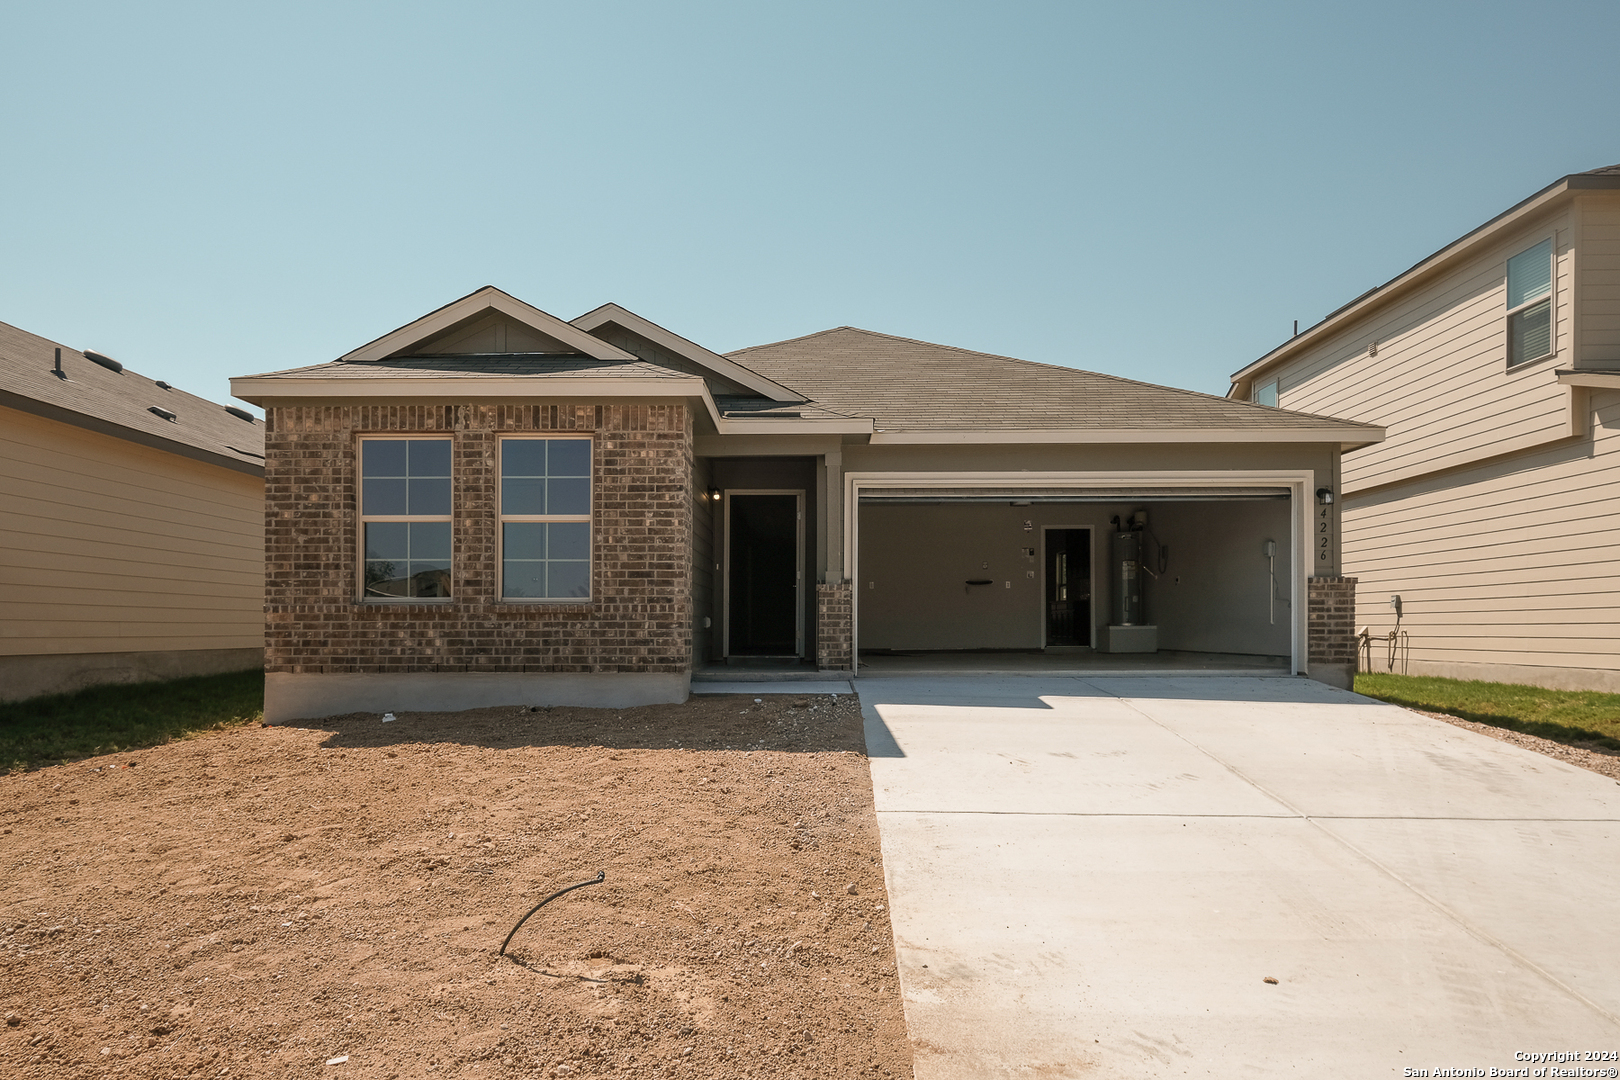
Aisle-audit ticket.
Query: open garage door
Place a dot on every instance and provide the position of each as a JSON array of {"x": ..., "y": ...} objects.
[{"x": 1199, "y": 569}]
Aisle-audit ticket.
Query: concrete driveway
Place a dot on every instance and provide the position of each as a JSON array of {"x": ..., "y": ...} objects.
[{"x": 1094, "y": 877}]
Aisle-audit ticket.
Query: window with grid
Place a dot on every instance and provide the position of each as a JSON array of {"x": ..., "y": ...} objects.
[
  {"x": 545, "y": 519},
  {"x": 405, "y": 518},
  {"x": 1529, "y": 304}
]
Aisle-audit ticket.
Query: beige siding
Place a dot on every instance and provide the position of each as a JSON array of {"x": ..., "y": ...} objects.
[
  {"x": 1516, "y": 562},
  {"x": 107, "y": 546},
  {"x": 1439, "y": 382},
  {"x": 1600, "y": 279}
]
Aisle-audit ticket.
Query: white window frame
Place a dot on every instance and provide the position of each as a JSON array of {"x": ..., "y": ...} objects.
[
  {"x": 1276, "y": 402},
  {"x": 1550, "y": 299},
  {"x": 502, "y": 518},
  {"x": 364, "y": 518}
]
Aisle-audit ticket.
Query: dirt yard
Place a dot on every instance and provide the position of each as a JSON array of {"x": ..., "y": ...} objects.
[{"x": 328, "y": 899}]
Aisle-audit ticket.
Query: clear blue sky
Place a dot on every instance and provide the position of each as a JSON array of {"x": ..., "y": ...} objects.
[{"x": 1154, "y": 190}]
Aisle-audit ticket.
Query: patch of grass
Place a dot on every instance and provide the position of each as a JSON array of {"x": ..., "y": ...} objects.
[
  {"x": 113, "y": 719},
  {"x": 1576, "y": 717}
]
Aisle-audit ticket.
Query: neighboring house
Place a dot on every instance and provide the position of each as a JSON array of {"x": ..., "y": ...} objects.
[
  {"x": 131, "y": 525},
  {"x": 1492, "y": 510},
  {"x": 494, "y": 506}
]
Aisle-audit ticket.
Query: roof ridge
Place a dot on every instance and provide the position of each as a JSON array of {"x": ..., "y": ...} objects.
[{"x": 786, "y": 341}]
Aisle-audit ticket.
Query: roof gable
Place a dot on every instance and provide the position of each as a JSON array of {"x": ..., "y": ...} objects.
[
  {"x": 1605, "y": 178},
  {"x": 653, "y": 343},
  {"x": 478, "y": 322}
]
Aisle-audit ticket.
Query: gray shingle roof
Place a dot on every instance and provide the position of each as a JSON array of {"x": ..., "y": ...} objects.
[
  {"x": 907, "y": 385},
  {"x": 118, "y": 404},
  {"x": 480, "y": 365}
]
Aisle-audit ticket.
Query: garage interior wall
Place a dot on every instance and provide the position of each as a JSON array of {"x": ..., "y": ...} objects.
[{"x": 916, "y": 560}]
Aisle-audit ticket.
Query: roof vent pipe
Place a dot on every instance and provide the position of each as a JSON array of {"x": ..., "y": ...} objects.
[
  {"x": 57, "y": 371},
  {"x": 104, "y": 360}
]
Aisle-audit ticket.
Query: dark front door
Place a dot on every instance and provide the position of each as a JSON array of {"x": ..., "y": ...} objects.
[
  {"x": 763, "y": 586},
  {"x": 1068, "y": 586}
]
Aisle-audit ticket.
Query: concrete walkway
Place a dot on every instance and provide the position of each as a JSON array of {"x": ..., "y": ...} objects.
[{"x": 1093, "y": 877}]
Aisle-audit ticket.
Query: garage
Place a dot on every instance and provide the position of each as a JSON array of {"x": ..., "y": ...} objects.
[{"x": 1188, "y": 571}]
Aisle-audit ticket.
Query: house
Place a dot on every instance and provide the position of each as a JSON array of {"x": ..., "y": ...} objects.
[
  {"x": 1485, "y": 530},
  {"x": 491, "y": 505},
  {"x": 132, "y": 537}
]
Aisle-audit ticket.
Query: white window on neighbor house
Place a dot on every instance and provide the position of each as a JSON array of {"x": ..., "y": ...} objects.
[
  {"x": 405, "y": 518},
  {"x": 1266, "y": 393},
  {"x": 545, "y": 512},
  {"x": 1529, "y": 304}
]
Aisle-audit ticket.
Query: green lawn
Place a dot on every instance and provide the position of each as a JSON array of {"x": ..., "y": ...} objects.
[
  {"x": 1578, "y": 717},
  {"x": 109, "y": 719}
]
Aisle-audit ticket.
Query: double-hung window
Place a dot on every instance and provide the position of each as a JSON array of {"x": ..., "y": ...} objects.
[
  {"x": 405, "y": 518},
  {"x": 545, "y": 518},
  {"x": 1529, "y": 304}
]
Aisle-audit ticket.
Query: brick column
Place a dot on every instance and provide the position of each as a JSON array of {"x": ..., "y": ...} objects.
[
  {"x": 1331, "y": 633},
  {"x": 835, "y": 629}
]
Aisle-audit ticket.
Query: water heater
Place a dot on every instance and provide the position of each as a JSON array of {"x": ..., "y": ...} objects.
[{"x": 1127, "y": 563}]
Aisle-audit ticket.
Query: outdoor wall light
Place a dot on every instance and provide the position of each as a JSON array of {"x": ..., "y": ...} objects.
[
  {"x": 1324, "y": 496},
  {"x": 714, "y": 494}
]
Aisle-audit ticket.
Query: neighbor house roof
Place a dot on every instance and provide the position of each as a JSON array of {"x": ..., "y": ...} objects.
[
  {"x": 912, "y": 386},
  {"x": 121, "y": 403},
  {"x": 1605, "y": 179}
]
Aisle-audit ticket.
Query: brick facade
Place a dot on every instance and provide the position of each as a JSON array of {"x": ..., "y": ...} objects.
[
  {"x": 835, "y": 627},
  {"x": 1331, "y": 628},
  {"x": 638, "y": 619}
]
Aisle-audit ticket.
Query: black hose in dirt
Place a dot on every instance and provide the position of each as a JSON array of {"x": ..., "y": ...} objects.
[{"x": 601, "y": 875}]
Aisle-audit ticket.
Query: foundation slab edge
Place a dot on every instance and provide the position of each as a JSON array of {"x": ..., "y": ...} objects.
[{"x": 290, "y": 696}]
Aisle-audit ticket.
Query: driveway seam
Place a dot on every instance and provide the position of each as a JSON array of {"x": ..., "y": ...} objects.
[{"x": 1468, "y": 927}]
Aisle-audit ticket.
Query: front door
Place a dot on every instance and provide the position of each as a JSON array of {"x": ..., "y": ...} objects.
[
  {"x": 764, "y": 548},
  {"x": 1068, "y": 587}
]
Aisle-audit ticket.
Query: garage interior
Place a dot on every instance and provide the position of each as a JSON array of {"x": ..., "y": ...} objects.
[{"x": 1184, "y": 578}]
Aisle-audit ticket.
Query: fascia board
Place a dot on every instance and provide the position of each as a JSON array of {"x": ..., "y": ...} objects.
[
  {"x": 488, "y": 298},
  {"x": 690, "y": 350},
  {"x": 1359, "y": 435},
  {"x": 1462, "y": 246},
  {"x": 258, "y": 391},
  {"x": 791, "y": 426}
]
